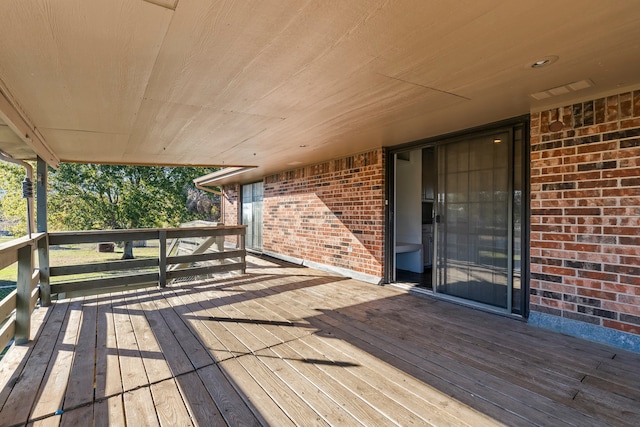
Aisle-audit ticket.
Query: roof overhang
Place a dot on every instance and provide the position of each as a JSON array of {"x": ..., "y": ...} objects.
[
  {"x": 280, "y": 85},
  {"x": 19, "y": 138},
  {"x": 221, "y": 176}
]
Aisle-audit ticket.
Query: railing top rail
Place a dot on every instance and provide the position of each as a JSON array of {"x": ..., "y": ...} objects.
[
  {"x": 21, "y": 242},
  {"x": 93, "y": 236},
  {"x": 142, "y": 230}
]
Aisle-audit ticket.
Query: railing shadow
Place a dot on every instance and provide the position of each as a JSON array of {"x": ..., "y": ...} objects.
[{"x": 195, "y": 342}]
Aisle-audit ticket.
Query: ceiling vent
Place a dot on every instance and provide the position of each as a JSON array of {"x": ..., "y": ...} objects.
[{"x": 561, "y": 90}]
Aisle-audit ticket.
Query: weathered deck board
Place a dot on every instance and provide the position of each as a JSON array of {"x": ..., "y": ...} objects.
[
  {"x": 82, "y": 375},
  {"x": 55, "y": 382},
  {"x": 293, "y": 346},
  {"x": 139, "y": 408},
  {"x": 22, "y": 395},
  {"x": 153, "y": 358},
  {"x": 201, "y": 407},
  {"x": 169, "y": 406},
  {"x": 495, "y": 389},
  {"x": 172, "y": 351},
  {"x": 14, "y": 361},
  {"x": 108, "y": 381},
  {"x": 109, "y": 412},
  {"x": 132, "y": 370},
  {"x": 272, "y": 413}
]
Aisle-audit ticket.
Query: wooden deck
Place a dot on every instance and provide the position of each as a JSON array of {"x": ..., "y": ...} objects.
[{"x": 293, "y": 346}]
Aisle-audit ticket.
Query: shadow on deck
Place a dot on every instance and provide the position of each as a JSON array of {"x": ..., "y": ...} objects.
[{"x": 285, "y": 345}]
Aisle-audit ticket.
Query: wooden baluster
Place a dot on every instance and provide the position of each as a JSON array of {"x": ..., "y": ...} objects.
[
  {"x": 163, "y": 258},
  {"x": 23, "y": 314}
]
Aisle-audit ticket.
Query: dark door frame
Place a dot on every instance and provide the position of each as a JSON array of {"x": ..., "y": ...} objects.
[{"x": 390, "y": 152}]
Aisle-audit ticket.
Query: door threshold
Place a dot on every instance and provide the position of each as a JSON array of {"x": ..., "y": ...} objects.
[{"x": 413, "y": 288}]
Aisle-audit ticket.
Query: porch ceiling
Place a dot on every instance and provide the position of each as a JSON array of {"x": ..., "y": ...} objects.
[{"x": 280, "y": 83}]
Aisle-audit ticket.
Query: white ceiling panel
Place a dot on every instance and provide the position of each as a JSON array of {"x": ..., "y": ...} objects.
[{"x": 230, "y": 82}]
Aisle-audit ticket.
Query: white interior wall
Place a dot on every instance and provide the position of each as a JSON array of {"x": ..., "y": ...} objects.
[{"x": 408, "y": 199}]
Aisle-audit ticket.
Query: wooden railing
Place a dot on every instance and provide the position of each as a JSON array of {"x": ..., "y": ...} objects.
[
  {"x": 16, "y": 308},
  {"x": 228, "y": 260}
]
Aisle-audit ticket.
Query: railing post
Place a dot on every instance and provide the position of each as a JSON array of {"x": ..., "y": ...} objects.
[
  {"x": 23, "y": 294},
  {"x": 163, "y": 258},
  {"x": 241, "y": 238},
  {"x": 41, "y": 224},
  {"x": 43, "y": 266}
]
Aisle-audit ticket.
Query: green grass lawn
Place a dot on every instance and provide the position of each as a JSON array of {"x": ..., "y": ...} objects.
[{"x": 78, "y": 254}]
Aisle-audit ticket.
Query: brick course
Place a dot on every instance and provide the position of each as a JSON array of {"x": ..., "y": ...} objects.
[
  {"x": 330, "y": 213},
  {"x": 585, "y": 212},
  {"x": 230, "y": 208}
]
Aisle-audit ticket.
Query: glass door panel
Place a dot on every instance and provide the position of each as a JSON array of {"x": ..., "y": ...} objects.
[
  {"x": 473, "y": 222},
  {"x": 252, "y": 195}
]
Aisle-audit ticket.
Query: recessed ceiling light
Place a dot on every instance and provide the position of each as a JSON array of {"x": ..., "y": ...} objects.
[
  {"x": 542, "y": 62},
  {"x": 302, "y": 145}
]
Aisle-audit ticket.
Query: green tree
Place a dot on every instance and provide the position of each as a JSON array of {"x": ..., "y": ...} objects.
[
  {"x": 90, "y": 197},
  {"x": 13, "y": 208}
]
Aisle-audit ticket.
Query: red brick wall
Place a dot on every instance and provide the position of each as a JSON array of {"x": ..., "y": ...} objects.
[
  {"x": 230, "y": 207},
  {"x": 585, "y": 212},
  {"x": 331, "y": 213}
]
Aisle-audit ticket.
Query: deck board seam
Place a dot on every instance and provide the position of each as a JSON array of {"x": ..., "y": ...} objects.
[{"x": 341, "y": 319}]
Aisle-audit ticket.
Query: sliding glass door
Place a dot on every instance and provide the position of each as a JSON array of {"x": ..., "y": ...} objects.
[{"x": 474, "y": 222}]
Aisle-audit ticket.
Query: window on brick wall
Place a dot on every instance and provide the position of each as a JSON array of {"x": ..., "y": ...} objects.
[{"x": 252, "y": 195}]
